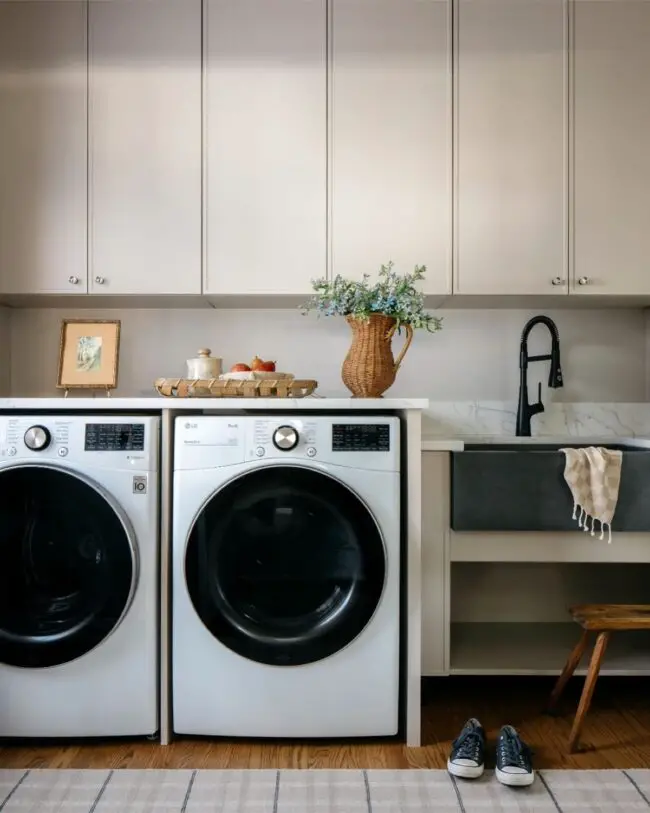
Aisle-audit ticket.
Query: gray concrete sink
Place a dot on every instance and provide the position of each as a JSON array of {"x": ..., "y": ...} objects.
[{"x": 513, "y": 486}]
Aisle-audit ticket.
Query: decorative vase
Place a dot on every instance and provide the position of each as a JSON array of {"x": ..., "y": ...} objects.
[{"x": 369, "y": 368}]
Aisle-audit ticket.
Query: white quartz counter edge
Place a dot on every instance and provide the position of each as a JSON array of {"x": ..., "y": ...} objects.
[
  {"x": 440, "y": 444},
  {"x": 158, "y": 403}
]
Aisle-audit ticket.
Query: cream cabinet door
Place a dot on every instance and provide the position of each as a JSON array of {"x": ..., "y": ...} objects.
[
  {"x": 265, "y": 145},
  {"x": 391, "y": 138},
  {"x": 43, "y": 229},
  {"x": 145, "y": 146},
  {"x": 511, "y": 164},
  {"x": 611, "y": 91}
]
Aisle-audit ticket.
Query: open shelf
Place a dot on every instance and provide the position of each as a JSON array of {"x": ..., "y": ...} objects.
[{"x": 538, "y": 648}]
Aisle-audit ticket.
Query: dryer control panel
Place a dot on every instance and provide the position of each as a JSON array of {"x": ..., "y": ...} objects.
[{"x": 208, "y": 441}]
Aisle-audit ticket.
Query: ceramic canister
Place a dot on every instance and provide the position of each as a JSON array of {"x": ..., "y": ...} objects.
[{"x": 204, "y": 365}]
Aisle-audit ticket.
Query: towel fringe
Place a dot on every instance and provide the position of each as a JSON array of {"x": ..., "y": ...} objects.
[{"x": 583, "y": 518}]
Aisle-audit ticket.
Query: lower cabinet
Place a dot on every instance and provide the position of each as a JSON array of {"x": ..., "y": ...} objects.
[
  {"x": 511, "y": 618},
  {"x": 496, "y": 603}
]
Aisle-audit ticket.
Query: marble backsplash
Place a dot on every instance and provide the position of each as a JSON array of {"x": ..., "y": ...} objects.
[{"x": 472, "y": 418}]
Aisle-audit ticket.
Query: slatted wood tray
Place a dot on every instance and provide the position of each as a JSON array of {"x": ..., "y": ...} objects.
[{"x": 216, "y": 388}]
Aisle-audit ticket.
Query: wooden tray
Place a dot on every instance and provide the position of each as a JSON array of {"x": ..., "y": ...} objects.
[{"x": 215, "y": 388}]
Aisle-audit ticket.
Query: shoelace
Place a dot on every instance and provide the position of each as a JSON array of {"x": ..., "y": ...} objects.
[
  {"x": 514, "y": 752},
  {"x": 468, "y": 745}
]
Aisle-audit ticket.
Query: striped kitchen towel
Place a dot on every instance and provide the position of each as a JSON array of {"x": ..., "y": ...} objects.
[{"x": 594, "y": 476}]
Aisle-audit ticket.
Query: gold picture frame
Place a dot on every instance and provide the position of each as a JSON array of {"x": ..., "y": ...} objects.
[{"x": 89, "y": 354}]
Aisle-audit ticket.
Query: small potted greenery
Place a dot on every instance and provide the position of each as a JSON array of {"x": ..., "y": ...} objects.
[{"x": 375, "y": 312}]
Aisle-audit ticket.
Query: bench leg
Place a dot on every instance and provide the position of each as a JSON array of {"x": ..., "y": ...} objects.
[
  {"x": 569, "y": 668},
  {"x": 588, "y": 690}
]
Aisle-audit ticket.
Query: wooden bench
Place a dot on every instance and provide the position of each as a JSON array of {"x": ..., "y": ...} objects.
[{"x": 602, "y": 619}]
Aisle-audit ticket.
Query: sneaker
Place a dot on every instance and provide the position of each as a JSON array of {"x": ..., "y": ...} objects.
[
  {"x": 467, "y": 758},
  {"x": 514, "y": 759}
]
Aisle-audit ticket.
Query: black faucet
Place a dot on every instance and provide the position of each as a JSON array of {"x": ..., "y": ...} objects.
[{"x": 525, "y": 411}]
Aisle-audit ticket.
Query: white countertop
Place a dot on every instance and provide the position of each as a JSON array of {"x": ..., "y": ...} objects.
[{"x": 159, "y": 403}]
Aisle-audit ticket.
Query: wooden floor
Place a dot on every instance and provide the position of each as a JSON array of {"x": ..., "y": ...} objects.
[{"x": 616, "y": 735}]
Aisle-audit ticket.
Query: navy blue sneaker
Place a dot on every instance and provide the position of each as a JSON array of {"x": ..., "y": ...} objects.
[
  {"x": 467, "y": 758},
  {"x": 514, "y": 760}
]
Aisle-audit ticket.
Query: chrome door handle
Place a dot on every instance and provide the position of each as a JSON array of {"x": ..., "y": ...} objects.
[
  {"x": 557, "y": 281},
  {"x": 73, "y": 280},
  {"x": 583, "y": 281},
  {"x": 100, "y": 280}
]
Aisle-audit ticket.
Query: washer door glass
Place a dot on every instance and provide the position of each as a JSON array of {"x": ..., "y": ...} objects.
[
  {"x": 66, "y": 567},
  {"x": 285, "y": 566}
]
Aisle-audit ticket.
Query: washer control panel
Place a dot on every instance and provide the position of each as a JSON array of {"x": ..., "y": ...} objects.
[{"x": 133, "y": 441}]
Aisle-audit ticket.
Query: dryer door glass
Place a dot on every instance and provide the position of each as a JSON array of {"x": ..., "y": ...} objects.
[
  {"x": 67, "y": 567},
  {"x": 285, "y": 565}
]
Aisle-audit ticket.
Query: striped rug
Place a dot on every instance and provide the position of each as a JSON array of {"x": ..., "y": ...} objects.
[{"x": 318, "y": 791}]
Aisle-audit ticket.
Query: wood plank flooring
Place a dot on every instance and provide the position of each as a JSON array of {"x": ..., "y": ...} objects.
[{"x": 616, "y": 734}]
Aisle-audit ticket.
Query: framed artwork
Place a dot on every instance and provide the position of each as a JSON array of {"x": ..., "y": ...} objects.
[{"x": 89, "y": 354}]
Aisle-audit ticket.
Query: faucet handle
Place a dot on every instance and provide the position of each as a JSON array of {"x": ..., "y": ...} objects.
[{"x": 535, "y": 409}]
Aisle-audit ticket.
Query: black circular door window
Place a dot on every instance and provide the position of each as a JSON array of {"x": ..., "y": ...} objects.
[
  {"x": 285, "y": 566},
  {"x": 66, "y": 567}
]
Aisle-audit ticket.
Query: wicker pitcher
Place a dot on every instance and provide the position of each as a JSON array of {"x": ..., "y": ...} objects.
[{"x": 369, "y": 368}]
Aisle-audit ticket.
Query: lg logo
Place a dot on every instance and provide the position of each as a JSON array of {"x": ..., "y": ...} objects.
[
  {"x": 140, "y": 484},
  {"x": 189, "y": 425}
]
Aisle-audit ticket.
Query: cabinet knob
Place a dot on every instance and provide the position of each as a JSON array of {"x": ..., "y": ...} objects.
[
  {"x": 73, "y": 280},
  {"x": 100, "y": 280},
  {"x": 557, "y": 281},
  {"x": 583, "y": 281}
]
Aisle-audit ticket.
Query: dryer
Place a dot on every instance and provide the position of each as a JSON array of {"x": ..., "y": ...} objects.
[
  {"x": 286, "y": 576},
  {"x": 78, "y": 576}
]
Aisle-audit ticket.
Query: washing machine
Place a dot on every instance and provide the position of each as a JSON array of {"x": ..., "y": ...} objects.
[
  {"x": 286, "y": 576},
  {"x": 78, "y": 576}
]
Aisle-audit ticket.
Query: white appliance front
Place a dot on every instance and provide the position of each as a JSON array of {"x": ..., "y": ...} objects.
[
  {"x": 286, "y": 576},
  {"x": 78, "y": 575}
]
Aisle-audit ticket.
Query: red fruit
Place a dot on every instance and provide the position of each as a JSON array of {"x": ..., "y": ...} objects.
[
  {"x": 240, "y": 368},
  {"x": 259, "y": 365}
]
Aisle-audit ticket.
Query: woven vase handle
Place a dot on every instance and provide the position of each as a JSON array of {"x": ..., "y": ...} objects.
[{"x": 407, "y": 344}]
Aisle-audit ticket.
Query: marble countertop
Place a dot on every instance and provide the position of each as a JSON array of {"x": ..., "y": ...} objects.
[
  {"x": 442, "y": 444},
  {"x": 156, "y": 403}
]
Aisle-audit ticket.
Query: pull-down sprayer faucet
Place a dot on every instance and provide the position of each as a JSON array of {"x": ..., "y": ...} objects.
[{"x": 525, "y": 411}]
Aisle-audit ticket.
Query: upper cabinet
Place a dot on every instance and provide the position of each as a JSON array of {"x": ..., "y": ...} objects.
[
  {"x": 611, "y": 179},
  {"x": 390, "y": 134},
  {"x": 145, "y": 146},
  {"x": 265, "y": 145},
  {"x": 43, "y": 235},
  {"x": 511, "y": 166}
]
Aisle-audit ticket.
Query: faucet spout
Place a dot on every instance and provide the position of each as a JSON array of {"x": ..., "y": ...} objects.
[{"x": 525, "y": 410}]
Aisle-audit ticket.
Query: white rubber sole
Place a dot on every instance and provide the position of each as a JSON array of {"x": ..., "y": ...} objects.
[
  {"x": 465, "y": 771},
  {"x": 515, "y": 780}
]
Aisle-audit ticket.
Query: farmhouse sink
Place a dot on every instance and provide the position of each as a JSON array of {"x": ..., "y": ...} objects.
[{"x": 521, "y": 487}]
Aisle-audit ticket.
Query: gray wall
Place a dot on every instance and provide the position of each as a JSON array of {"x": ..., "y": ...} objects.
[{"x": 475, "y": 357}]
